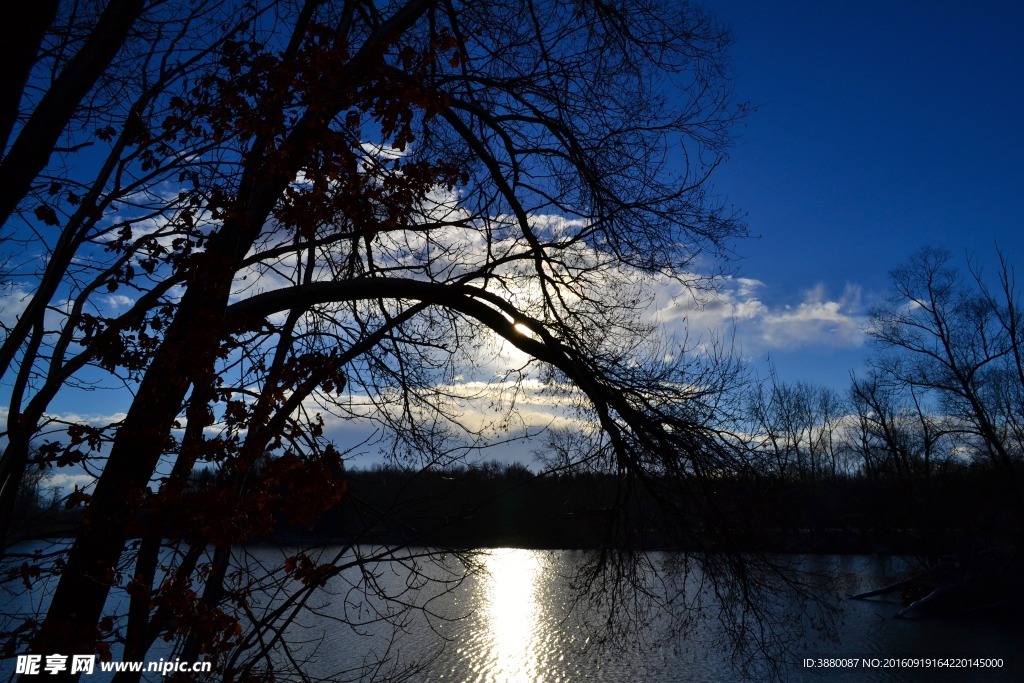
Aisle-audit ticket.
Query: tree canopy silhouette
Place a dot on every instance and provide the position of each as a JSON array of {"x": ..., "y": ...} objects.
[{"x": 264, "y": 218}]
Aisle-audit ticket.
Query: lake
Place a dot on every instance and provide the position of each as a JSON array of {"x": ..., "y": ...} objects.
[{"x": 519, "y": 620}]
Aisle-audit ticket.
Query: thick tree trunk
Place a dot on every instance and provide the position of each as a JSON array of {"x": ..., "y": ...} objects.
[
  {"x": 31, "y": 150},
  {"x": 187, "y": 355},
  {"x": 18, "y": 50}
]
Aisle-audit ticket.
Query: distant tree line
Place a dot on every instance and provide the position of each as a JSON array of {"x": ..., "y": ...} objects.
[{"x": 36, "y": 499}]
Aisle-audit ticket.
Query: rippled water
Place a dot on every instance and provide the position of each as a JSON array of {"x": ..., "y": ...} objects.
[{"x": 517, "y": 621}]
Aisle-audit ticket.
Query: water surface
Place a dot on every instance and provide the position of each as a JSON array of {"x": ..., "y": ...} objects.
[{"x": 519, "y": 620}]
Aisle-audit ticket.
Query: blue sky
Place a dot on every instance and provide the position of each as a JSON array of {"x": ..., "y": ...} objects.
[{"x": 880, "y": 127}]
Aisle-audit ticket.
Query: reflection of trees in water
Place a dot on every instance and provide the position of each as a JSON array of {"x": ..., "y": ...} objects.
[{"x": 521, "y": 619}]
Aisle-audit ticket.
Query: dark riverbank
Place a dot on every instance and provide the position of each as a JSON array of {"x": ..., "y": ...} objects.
[{"x": 497, "y": 505}]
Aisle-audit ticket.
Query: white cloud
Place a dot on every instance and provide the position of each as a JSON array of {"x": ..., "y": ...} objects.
[
  {"x": 13, "y": 300},
  {"x": 93, "y": 420},
  {"x": 67, "y": 482},
  {"x": 817, "y": 321},
  {"x": 117, "y": 301}
]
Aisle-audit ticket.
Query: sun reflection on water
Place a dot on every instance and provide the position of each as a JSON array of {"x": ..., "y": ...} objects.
[{"x": 512, "y": 613}]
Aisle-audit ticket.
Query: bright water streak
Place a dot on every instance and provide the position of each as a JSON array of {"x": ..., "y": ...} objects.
[{"x": 512, "y": 614}]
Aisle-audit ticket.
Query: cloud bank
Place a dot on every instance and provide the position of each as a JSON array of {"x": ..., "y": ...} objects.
[{"x": 741, "y": 309}]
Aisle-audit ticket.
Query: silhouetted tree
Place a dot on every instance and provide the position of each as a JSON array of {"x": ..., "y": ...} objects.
[
  {"x": 796, "y": 429},
  {"x": 253, "y": 215},
  {"x": 948, "y": 337}
]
